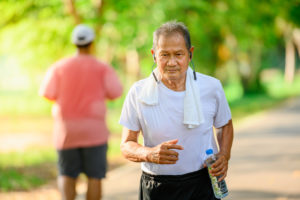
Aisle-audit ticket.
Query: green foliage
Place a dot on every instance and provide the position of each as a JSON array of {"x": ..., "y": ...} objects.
[
  {"x": 252, "y": 103},
  {"x": 36, "y": 166},
  {"x": 23, "y": 103},
  {"x": 27, "y": 169},
  {"x": 277, "y": 91},
  {"x": 234, "y": 41},
  {"x": 27, "y": 158},
  {"x": 290, "y": 11},
  {"x": 278, "y": 88},
  {"x": 11, "y": 179}
]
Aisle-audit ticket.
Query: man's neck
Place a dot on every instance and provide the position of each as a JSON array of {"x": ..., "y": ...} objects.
[
  {"x": 175, "y": 85},
  {"x": 83, "y": 51}
]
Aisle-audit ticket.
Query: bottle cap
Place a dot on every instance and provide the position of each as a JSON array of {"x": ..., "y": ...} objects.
[{"x": 209, "y": 151}]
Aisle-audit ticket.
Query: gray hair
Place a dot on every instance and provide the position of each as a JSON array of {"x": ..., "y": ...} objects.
[{"x": 172, "y": 27}]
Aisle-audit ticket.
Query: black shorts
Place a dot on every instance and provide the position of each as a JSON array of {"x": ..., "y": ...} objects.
[
  {"x": 191, "y": 186},
  {"x": 89, "y": 160}
]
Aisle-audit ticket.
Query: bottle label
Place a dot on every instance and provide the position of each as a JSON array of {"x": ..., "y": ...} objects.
[{"x": 214, "y": 182}]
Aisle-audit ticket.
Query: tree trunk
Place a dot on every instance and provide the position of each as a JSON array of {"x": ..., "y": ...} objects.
[
  {"x": 132, "y": 65},
  {"x": 98, "y": 5},
  {"x": 296, "y": 38},
  {"x": 250, "y": 73},
  {"x": 289, "y": 61},
  {"x": 71, "y": 9}
]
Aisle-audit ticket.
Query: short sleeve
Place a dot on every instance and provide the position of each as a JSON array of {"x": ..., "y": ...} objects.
[
  {"x": 49, "y": 86},
  {"x": 112, "y": 84},
  {"x": 129, "y": 116},
  {"x": 223, "y": 114}
]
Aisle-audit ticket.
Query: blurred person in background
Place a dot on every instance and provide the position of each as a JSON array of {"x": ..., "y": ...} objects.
[
  {"x": 79, "y": 86},
  {"x": 176, "y": 109}
]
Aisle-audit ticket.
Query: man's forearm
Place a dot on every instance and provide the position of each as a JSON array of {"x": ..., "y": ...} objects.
[
  {"x": 134, "y": 152},
  {"x": 225, "y": 139}
]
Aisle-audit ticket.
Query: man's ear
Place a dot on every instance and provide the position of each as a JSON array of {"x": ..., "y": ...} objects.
[
  {"x": 191, "y": 51},
  {"x": 153, "y": 55}
]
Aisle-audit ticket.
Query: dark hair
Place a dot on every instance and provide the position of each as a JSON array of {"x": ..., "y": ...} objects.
[
  {"x": 84, "y": 46},
  {"x": 172, "y": 27}
]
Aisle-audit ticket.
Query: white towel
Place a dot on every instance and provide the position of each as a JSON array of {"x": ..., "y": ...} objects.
[{"x": 193, "y": 115}]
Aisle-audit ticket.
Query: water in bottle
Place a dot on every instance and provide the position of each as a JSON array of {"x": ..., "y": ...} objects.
[{"x": 219, "y": 187}]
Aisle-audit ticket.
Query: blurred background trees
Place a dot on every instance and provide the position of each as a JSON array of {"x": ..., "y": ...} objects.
[{"x": 234, "y": 40}]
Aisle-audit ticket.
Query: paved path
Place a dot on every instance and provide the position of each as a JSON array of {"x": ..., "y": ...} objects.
[{"x": 265, "y": 162}]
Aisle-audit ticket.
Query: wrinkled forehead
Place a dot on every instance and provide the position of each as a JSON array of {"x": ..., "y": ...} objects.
[
  {"x": 173, "y": 34},
  {"x": 172, "y": 41}
]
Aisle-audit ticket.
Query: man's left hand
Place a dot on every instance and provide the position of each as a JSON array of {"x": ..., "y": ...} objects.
[{"x": 220, "y": 167}]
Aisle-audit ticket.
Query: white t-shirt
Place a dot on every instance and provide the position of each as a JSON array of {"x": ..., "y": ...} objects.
[{"x": 163, "y": 122}]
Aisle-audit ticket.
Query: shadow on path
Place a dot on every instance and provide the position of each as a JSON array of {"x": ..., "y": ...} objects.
[{"x": 261, "y": 195}]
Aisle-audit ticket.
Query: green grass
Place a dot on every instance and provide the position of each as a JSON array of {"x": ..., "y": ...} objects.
[
  {"x": 13, "y": 179},
  {"x": 112, "y": 119},
  {"x": 31, "y": 156},
  {"x": 33, "y": 167},
  {"x": 27, "y": 169},
  {"x": 23, "y": 103},
  {"x": 253, "y": 103},
  {"x": 277, "y": 90}
]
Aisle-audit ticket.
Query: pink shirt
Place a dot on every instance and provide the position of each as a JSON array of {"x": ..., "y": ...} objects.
[{"x": 79, "y": 86}]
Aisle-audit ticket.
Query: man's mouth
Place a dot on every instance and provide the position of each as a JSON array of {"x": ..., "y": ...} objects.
[{"x": 172, "y": 70}]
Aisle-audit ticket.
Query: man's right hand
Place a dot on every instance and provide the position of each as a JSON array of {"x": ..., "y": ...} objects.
[{"x": 162, "y": 153}]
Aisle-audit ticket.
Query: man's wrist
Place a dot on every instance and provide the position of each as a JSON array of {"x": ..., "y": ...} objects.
[
  {"x": 226, "y": 155},
  {"x": 147, "y": 154}
]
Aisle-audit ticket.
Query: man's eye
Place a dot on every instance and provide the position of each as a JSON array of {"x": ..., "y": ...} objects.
[
  {"x": 179, "y": 54},
  {"x": 164, "y": 55}
]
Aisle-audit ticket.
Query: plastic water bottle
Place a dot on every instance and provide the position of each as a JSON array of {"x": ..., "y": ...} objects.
[{"x": 219, "y": 187}]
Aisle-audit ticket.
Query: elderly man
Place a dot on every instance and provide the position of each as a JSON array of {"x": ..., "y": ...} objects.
[{"x": 176, "y": 109}]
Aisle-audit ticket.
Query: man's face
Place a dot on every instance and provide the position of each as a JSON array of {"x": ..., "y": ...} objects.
[{"x": 172, "y": 57}]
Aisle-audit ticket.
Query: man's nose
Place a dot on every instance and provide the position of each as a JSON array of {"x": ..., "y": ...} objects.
[{"x": 172, "y": 61}]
